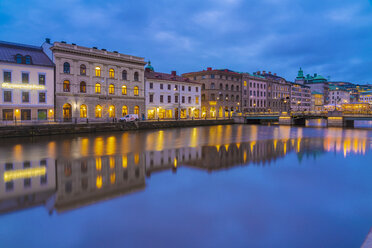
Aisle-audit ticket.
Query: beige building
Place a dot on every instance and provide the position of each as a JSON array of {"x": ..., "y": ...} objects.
[
  {"x": 221, "y": 92},
  {"x": 97, "y": 84}
]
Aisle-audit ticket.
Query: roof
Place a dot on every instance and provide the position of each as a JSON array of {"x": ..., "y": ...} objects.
[
  {"x": 211, "y": 71},
  {"x": 165, "y": 76},
  {"x": 8, "y": 52},
  {"x": 316, "y": 93}
]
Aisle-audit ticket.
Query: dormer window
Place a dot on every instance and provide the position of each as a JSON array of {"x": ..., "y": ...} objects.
[
  {"x": 28, "y": 60},
  {"x": 19, "y": 59}
]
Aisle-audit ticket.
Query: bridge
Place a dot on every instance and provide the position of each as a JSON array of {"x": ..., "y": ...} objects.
[{"x": 334, "y": 118}]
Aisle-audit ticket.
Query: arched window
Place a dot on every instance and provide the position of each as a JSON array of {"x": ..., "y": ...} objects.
[
  {"x": 136, "y": 76},
  {"x": 203, "y": 97},
  {"x": 124, "y": 110},
  {"x": 98, "y": 88},
  {"x": 83, "y": 70},
  {"x": 124, "y": 90},
  {"x": 83, "y": 111},
  {"x": 124, "y": 75},
  {"x": 232, "y": 98},
  {"x": 111, "y": 73},
  {"x": 111, "y": 89},
  {"x": 19, "y": 59},
  {"x": 232, "y": 87},
  {"x": 28, "y": 59},
  {"x": 227, "y": 97},
  {"x": 66, "y": 111},
  {"x": 66, "y": 86},
  {"x": 97, "y": 71},
  {"x": 237, "y": 88},
  {"x": 226, "y": 87},
  {"x": 66, "y": 68},
  {"x": 221, "y": 87},
  {"x": 237, "y": 97},
  {"x": 136, "y": 91},
  {"x": 203, "y": 86},
  {"x": 83, "y": 87},
  {"x": 136, "y": 110},
  {"x": 98, "y": 111},
  {"x": 212, "y": 86},
  {"x": 221, "y": 97},
  {"x": 213, "y": 97},
  {"x": 112, "y": 111}
]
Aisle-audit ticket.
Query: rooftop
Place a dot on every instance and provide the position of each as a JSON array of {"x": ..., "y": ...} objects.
[{"x": 165, "y": 76}]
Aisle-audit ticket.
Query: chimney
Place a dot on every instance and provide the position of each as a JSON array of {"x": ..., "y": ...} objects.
[
  {"x": 270, "y": 72},
  {"x": 258, "y": 73},
  {"x": 209, "y": 68},
  {"x": 263, "y": 72},
  {"x": 274, "y": 74},
  {"x": 174, "y": 73},
  {"x": 47, "y": 40}
]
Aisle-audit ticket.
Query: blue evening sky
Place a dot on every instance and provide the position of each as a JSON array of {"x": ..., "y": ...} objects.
[{"x": 329, "y": 37}]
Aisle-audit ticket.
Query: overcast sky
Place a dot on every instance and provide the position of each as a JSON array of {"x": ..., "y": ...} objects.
[{"x": 330, "y": 37}]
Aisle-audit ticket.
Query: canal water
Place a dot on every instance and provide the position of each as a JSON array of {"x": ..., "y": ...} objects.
[{"x": 218, "y": 186}]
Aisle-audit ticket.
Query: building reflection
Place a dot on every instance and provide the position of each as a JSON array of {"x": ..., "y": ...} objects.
[{"x": 91, "y": 170}]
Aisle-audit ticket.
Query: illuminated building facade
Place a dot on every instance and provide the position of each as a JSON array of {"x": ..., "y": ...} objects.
[
  {"x": 220, "y": 92},
  {"x": 338, "y": 95},
  {"x": 300, "y": 97},
  {"x": 97, "y": 84},
  {"x": 317, "y": 101},
  {"x": 169, "y": 96},
  {"x": 366, "y": 97},
  {"x": 254, "y": 93},
  {"x": 278, "y": 92},
  {"x": 27, "y": 83}
]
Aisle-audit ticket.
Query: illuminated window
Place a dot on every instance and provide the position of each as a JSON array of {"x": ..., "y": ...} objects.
[
  {"x": 112, "y": 111},
  {"x": 111, "y": 73},
  {"x": 196, "y": 100},
  {"x": 66, "y": 68},
  {"x": 83, "y": 87},
  {"x": 111, "y": 89},
  {"x": 98, "y": 88},
  {"x": 124, "y": 110},
  {"x": 124, "y": 75},
  {"x": 136, "y": 91},
  {"x": 98, "y": 111},
  {"x": 136, "y": 76},
  {"x": 124, "y": 90},
  {"x": 83, "y": 70},
  {"x": 83, "y": 111},
  {"x": 97, "y": 71},
  {"x": 136, "y": 110},
  {"x": 66, "y": 86}
]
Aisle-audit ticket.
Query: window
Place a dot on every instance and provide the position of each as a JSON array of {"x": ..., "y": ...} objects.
[
  {"x": 189, "y": 100},
  {"x": 226, "y": 87},
  {"x": 176, "y": 99},
  {"x": 183, "y": 87},
  {"x": 66, "y": 68},
  {"x": 213, "y": 97},
  {"x": 197, "y": 89},
  {"x": 237, "y": 88},
  {"x": 136, "y": 76},
  {"x": 196, "y": 100},
  {"x": 169, "y": 99},
  {"x": 124, "y": 110},
  {"x": 203, "y": 97},
  {"x": 151, "y": 98},
  {"x": 19, "y": 59},
  {"x": 83, "y": 87},
  {"x": 136, "y": 110},
  {"x": 7, "y": 114},
  {"x": 28, "y": 59},
  {"x": 25, "y": 96},
  {"x": 136, "y": 91},
  {"x": 42, "y": 79},
  {"x": 83, "y": 111},
  {"x": 190, "y": 88},
  {"x": 83, "y": 70},
  {"x": 212, "y": 86},
  {"x": 161, "y": 98},
  {"x": 7, "y": 96},
  {"x": 98, "y": 111},
  {"x": 124, "y": 75},
  {"x": 112, "y": 111},
  {"x": 169, "y": 87},
  {"x": 7, "y": 77},
  {"x": 41, "y": 114},
  {"x": 97, "y": 71},
  {"x": 124, "y": 90},
  {"x": 183, "y": 99},
  {"x": 232, "y": 87},
  {"x": 25, "y": 77},
  {"x": 111, "y": 89},
  {"x": 176, "y": 87},
  {"x": 221, "y": 87},
  {"x": 66, "y": 86},
  {"x": 42, "y": 97},
  {"x": 212, "y": 76},
  {"x": 25, "y": 114},
  {"x": 151, "y": 85},
  {"x": 111, "y": 73},
  {"x": 98, "y": 88},
  {"x": 161, "y": 86}
]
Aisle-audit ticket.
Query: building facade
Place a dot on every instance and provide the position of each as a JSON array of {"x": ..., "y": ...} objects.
[
  {"x": 300, "y": 97},
  {"x": 278, "y": 92},
  {"x": 317, "y": 101},
  {"x": 254, "y": 93},
  {"x": 97, "y": 84},
  {"x": 220, "y": 92},
  {"x": 338, "y": 95},
  {"x": 169, "y": 96},
  {"x": 27, "y": 83}
]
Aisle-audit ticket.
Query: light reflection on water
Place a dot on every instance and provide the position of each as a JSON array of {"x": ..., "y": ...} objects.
[{"x": 83, "y": 172}]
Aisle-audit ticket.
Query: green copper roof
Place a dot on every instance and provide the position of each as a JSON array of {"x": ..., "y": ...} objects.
[
  {"x": 300, "y": 73},
  {"x": 149, "y": 66}
]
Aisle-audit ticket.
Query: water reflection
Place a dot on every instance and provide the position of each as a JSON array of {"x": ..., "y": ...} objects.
[{"x": 72, "y": 173}]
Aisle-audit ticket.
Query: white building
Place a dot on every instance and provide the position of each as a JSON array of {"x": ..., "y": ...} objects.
[
  {"x": 338, "y": 96},
  {"x": 365, "y": 97},
  {"x": 27, "y": 83},
  {"x": 166, "y": 94}
]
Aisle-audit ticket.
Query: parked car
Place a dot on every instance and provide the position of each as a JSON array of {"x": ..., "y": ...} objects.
[{"x": 130, "y": 117}]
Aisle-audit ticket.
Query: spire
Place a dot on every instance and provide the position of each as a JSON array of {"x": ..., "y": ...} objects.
[{"x": 300, "y": 73}]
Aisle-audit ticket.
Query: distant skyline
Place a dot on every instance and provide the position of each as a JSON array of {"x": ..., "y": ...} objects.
[{"x": 330, "y": 37}]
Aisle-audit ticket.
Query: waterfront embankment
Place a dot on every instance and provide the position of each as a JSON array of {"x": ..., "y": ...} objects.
[{"x": 69, "y": 128}]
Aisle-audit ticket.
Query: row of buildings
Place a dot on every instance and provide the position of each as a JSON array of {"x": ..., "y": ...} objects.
[{"x": 70, "y": 82}]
